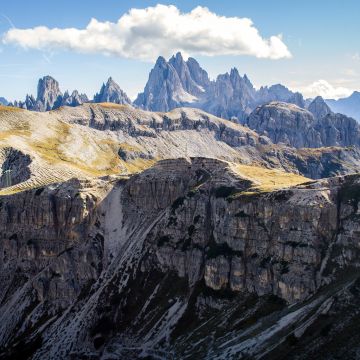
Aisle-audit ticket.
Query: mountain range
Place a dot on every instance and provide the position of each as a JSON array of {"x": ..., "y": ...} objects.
[
  {"x": 129, "y": 233},
  {"x": 178, "y": 83},
  {"x": 349, "y": 106}
]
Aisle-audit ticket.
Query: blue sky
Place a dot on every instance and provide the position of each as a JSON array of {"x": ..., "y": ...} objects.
[{"x": 322, "y": 37}]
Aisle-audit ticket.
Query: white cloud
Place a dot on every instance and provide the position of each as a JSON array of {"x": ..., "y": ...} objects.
[
  {"x": 159, "y": 30},
  {"x": 325, "y": 89}
]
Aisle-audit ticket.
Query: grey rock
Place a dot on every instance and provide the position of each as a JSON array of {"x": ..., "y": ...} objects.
[
  {"x": 96, "y": 267},
  {"x": 111, "y": 92},
  {"x": 177, "y": 83},
  {"x": 74, "y": 99},
  {"x": 297, "y": 127},
  {"x": 319, "y": 108},
  {"x": 49, "y": 97}
]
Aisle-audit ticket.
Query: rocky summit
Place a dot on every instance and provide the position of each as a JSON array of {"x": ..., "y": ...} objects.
[
  {"x": 111, "y": 92},
  {"x": 177, "y": 83},
  {"x": 131, "y": 234}
]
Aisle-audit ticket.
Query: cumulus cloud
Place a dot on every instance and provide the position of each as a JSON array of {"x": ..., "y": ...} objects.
[
  {"x": 159, "y": 30},
  {"x": 325, "y": 89}
]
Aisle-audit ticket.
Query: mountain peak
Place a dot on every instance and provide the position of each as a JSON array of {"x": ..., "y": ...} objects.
[
  {"x": 160, "y": 61},
  {"x": 111, "y": 92},
  {"x": 48, "y": 94},
  {"x": 319, "y": 108}
]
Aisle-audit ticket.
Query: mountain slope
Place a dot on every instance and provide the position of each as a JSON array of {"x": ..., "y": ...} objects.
[
  {"x": 349, "y": 106},
  {"x": 111, "y": 92},
  {"x": 177, "y": 83},
  {"x": 107, "y": 139},
  {"x": 189, "y": 258},
  {"x": 297, "y": 127}
]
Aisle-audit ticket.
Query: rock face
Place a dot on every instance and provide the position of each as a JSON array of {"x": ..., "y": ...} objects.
[
  {"x": 168, "y": 87},
  {"x": 231, "y": 96},
  {"x": 135, "y": 268},
  {"x": 49, "y": 97},
  {"x": 297, "y": 127},
  {"x": 111, "y": 92},
  {"x": 349, "y": 106},
  {"x": 280, "y": 93},
  {"x": 177, "y": 83},
  {"x": 319, "y": 108},
  {"x": 16, "y": 164},
  {"x": 74, "y": 99}
]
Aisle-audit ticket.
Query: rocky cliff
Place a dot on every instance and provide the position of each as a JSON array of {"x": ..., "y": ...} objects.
[
  {"x": 111, "y": 92},
  {"x": 319, "y": 108},
  {"x": 49, "y": 97},
  {"x": 94, "y": 140},
  {"x": 196, "y": 258},
  {"x": 291, "y": 125},
  {"x": 177, "y": 83}
]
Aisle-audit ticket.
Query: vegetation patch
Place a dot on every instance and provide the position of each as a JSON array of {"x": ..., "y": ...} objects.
[{"x": 265, "y": 180}]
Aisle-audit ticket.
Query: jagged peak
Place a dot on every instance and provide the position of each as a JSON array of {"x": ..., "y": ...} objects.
[
  {"x": 160, "y": 61},
  {"x": 319, "y": 108}
]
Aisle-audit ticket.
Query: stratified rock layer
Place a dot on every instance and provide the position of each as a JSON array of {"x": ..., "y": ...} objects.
[{"x": 146, "y": 266}]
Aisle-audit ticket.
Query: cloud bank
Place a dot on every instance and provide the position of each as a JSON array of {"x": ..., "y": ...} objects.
[
  {"x": 160, "y": 30},
  {"x": 325, "y": 89}
]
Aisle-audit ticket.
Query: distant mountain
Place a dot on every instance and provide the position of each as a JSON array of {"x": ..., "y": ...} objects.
[
  {"x": 111, "y": 92},
  {"x": 177, "y": 83},
  {"x": 3, "y": 101},
  {"x": 293, "y": 126},
  {"x": 49, "y": 97},
  {"x": 170, "y": 85},
  {"x": 319, "y": 108},
  {"x": 279, "y": 92},
  {"x": 349, "y": 106}
]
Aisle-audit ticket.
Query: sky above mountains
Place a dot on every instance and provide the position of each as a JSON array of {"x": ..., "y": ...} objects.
[{"x": 312, "y": 47}]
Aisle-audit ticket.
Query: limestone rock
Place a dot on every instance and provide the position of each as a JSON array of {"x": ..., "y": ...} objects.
[{"x": 111, "y": 92}]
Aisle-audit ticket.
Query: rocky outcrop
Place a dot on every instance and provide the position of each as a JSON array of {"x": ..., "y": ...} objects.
[
  {"x": 49, "y": 97},
  {"x": 75, "y": 99},
  {"x": 297, "y": 127},
  {"x": 177, "y": 83},
  {"x": 91, "y": 269},
  {"x": 280, "y": 93},
  {"x": 48, "y": 94},
  {"x": 194, "y": 80},
  {"x": 319, "y": 108},
  {"x": 14, "y": 167},
  {"x": 230, "y": 96},
  {"x": 164, "y": 89},
  {"x": 111, "y": 92}
]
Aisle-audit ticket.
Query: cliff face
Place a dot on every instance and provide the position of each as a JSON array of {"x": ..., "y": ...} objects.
[
  {"x": 111, "y": 92},
  {"x": 138, "y": 267},
  {"x": 297, "y": 127}
]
